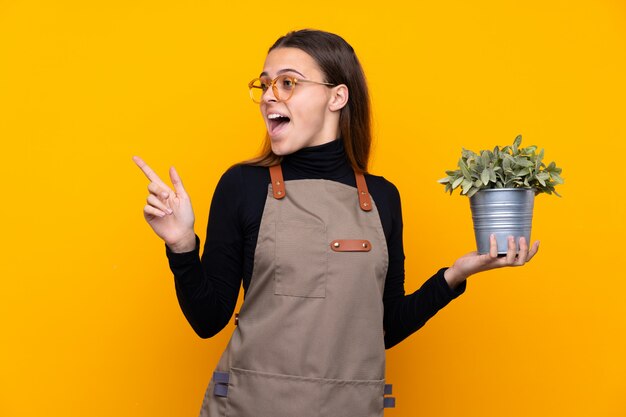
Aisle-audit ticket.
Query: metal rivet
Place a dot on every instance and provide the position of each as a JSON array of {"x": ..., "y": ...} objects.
[
  {"x": 279, "y": 192},
  {"x": 364, "y": 204},
  {"x": 365, "y": 244},
  {"x": 336, "y": 244},
  {"x": 363, "y": 192},
  {"x": 277, "y": 182}
]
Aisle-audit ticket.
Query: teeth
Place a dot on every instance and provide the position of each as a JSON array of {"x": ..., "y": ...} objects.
[{"x": 274, "y": 116}]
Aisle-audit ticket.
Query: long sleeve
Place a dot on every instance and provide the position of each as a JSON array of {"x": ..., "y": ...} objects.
[
  {"x": 405, "y": 314},
  {"x": 207, "y": 288}
]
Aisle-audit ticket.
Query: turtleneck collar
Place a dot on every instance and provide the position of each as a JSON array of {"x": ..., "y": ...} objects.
[{"x": 327, "y": 161}]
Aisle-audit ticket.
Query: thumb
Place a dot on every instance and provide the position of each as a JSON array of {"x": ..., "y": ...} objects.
[{"x": 177, "y": 182}]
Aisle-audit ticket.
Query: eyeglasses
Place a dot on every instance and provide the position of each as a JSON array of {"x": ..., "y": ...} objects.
[{"x": 282, "y": 87}]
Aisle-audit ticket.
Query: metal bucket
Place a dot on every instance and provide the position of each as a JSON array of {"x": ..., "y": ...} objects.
[{"x": 504, "y": 212}]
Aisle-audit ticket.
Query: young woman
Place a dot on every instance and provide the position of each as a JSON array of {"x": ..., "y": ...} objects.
[{"x": 317, "y": 242}]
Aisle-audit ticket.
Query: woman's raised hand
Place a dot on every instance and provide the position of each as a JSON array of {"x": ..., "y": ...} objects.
[
  {"x": 168, "y": 212},
  {"x": 473, "y": 262}
]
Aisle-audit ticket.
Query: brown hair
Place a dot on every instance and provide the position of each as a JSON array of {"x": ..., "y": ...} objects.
[{"x": 340, "y": 65}]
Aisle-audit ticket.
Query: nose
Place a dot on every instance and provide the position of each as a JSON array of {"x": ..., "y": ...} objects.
[{"x": 268, "y": 96}]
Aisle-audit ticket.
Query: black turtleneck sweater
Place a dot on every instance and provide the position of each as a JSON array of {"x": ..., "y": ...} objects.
[{"x": 208, "y": 287}]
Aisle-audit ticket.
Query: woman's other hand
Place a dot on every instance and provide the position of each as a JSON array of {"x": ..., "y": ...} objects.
[
  {"x": 168, "y": 212},
  {"x": 473, "y": 262}
]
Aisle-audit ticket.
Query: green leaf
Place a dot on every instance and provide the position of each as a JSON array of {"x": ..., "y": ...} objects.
[
  {"x": 472, "y": 191},
  {"x": 529, "y": 150},
  {"x": 485, "y": 158},
  {"x": 543, "y": 175},
  {"x": 457, "y": 182},
  {"x": 464, "y": 169},
  {"x": 475, "y": 169},
  {"x": 557, "y": 178},
  {"x": 539, "y": 159},
  {"x": 466, "y": 185},
  {"x": 506, "y": 163},
  {"x": 484, "y": 176},
  {"x": 523, "y": 162}
]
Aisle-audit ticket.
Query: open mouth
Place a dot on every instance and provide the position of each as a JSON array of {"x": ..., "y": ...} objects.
[{"x": 276, "y": 122}]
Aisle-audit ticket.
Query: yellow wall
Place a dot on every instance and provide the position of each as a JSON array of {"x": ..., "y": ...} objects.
[{"x": 89, "y": 323}]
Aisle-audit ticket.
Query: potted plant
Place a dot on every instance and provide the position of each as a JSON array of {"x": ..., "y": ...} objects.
[{"x": 502, "y": 185}]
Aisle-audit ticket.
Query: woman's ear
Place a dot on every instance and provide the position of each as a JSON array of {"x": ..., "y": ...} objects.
[{"x": 339, "y": 97}]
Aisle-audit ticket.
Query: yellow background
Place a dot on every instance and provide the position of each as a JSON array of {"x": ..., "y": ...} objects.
[{"x": 89, "y": 322}]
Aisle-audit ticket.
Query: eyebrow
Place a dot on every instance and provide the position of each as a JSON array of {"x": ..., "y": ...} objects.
[{"x": 282, "y": 71}]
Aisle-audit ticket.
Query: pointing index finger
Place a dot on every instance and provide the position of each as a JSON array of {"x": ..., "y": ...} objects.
[{"x": 148, "y": 172}]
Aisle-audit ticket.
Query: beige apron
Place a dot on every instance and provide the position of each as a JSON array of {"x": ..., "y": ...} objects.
[{"x": 309, "y": 340}]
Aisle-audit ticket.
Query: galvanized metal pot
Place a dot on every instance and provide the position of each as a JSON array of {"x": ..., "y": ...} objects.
[{"x": 504, "y": 212}]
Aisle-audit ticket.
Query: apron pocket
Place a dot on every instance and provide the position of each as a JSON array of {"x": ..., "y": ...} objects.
[
  {"x": 301, "y": 260},
  {"x": 259, "y": 394}
]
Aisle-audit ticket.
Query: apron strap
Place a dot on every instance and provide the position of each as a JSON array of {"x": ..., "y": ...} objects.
[
  {"x": 389, "y": 402},
  {"x": 278, "y": 185},
  {"x": 220, "y": 379},
  {"x": 365, "y": 201},
  {"x": 350, "y": 245}
]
